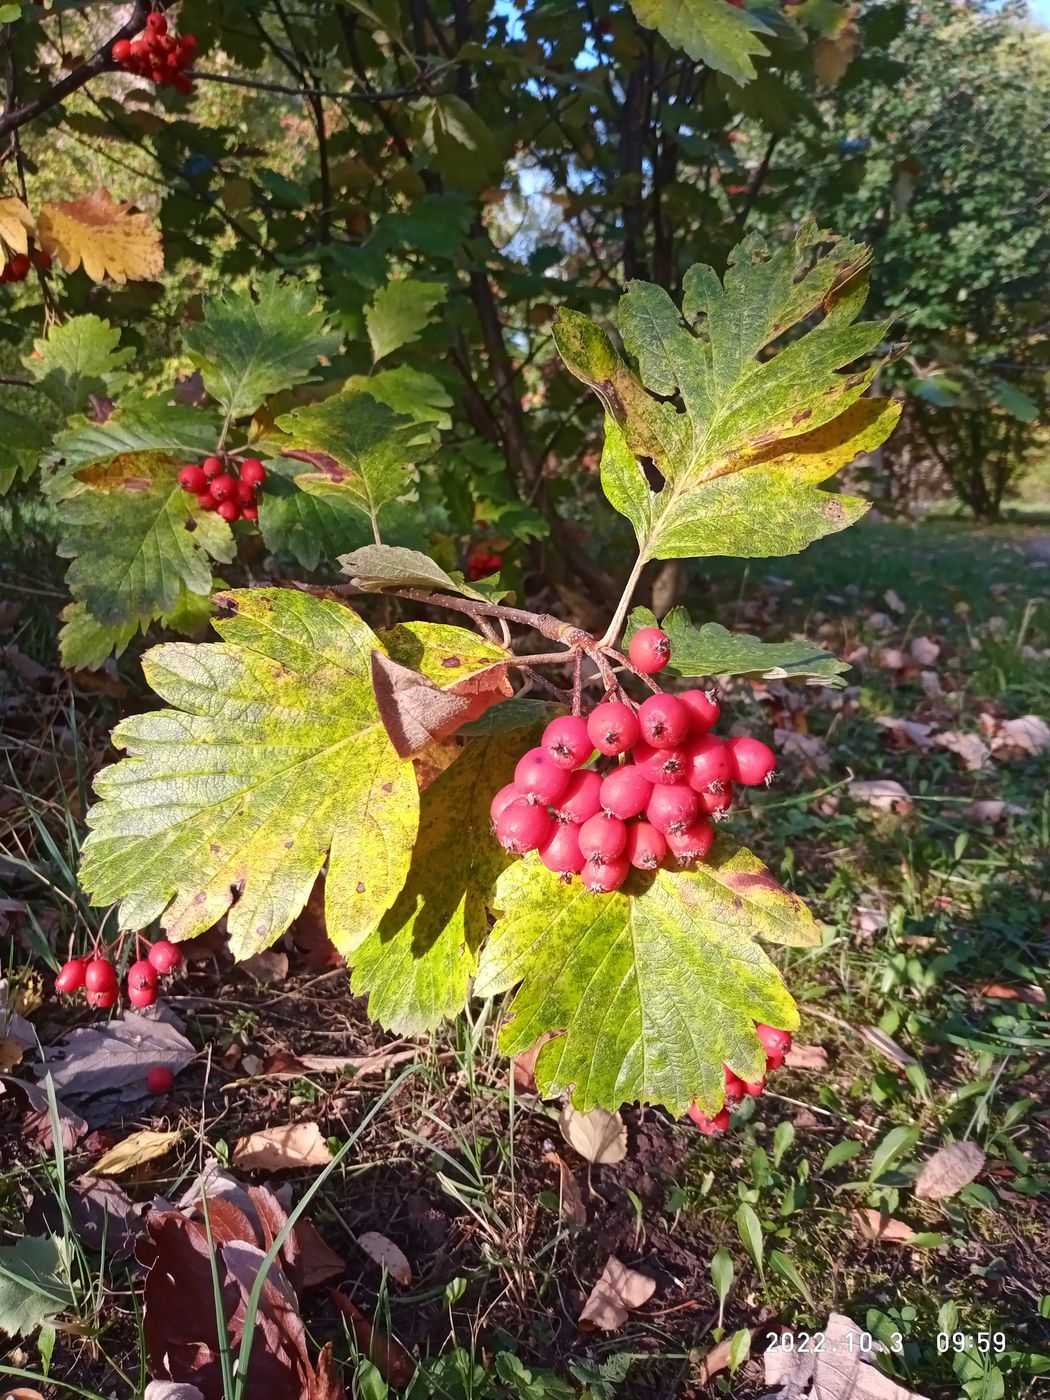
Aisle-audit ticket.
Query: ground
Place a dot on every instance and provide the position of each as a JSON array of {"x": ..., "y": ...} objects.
[{"x": 923, "y": 1014}]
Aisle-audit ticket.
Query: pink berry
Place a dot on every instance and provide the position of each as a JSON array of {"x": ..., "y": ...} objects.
[
  {"x": 664, "y": 721},
  {"x": 537, "y": 775},
  {"x": 102, "y": 999},
  {"x": 605, "y": 876},
  {"x": 253, "y": 473},
  {"x": 612, "y": 727},
  {"x": 774, "y": 1041},
  {"x": 710, "y": 1127},
  {"x": 582, "y": 798},
  {"x": 625, "y": 792},
  {"x": 70, "y": 977},
  {"x": 100, "y": 976},
  {"x": 510, "y": 792},
  {"x": 602, "y": 838},
  {"x": 224, "y": 487},
  {"x": 650, "y": 650},
  {"x": 561, "y": 852},
  {"x": 734, "y": 1087},
  {"x": 567, "y": 741},
  {"x": 212, "y": 467},
  {"x": 715, "y": 799},
  {"x": 693, "y": 843},
  {"x": 704, "y": 708},
  {"x": 523, "y": 826},
  {"x": 160, "y": 1080},
  {"x": 142, "y": 996},
  {"x": 142, "y": 975},
  {"x": 662, "y": 766},
  {"x": 708, "y": 762},
  {"x": 192, "y": 479},
  {"x": 164, "y": 956},
  {"x": 753, "y": 762},
  {"x": 672, "y": 807},
  {"x": 646, "y": 847}
]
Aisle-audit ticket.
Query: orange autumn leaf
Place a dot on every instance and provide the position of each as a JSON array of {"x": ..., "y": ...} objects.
[
  {"x": 102, "y": 235},
  {"x": 16, "y": 224}
]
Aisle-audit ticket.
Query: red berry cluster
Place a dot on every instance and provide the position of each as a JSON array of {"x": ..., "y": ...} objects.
[
  {"x": 217, "y": 488},
  {"x": 98, "y": 977},
  {"x": 599, "y": 822},
  {"x": 16, "y": 269},
  {"x": 481, "y": 563},
  {"x": 158, "y": 55},
  {"x": 776, "y": 1044}
]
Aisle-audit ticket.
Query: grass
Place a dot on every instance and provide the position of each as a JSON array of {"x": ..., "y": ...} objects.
[{"x": 929, "y": 915}]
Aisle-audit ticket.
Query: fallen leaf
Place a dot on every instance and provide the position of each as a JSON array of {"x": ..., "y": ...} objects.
[
  {"x": 11, "y": 1053},
  {"x": 570, "y": 1197},
  {"x": 104, "y": 1215},
  {"x": 807, "y": 747},
  {"x": 931, "y": 684},
  {"x": 807, "y": 1057},
  {"x": 135, "y": 1151},
  {"x": 892, "y": 659},
  {"x": 911, "y": 731},
  {"x": 839, "y": 1370},
  {"x": 893, "y": 601},
  {"x": 877, "y": 1225},
  {"x": 1029, "y": 734},
  {"x": 523, "y": 1066},
  {"x": 883, "y": 793},
  {"x": 949, "y": 1170},
  {"x": 281, "y": 1149},
  {"x": 924, "y": 651},
  {"x": 317, "y": 1263},
  {"x": 618, "y": 1293},
  {"x": 100, "y": 233},
  {"x": 270, "y": 965},
  {"x": 36, "y": 1124},
  {"x": 887, "y": 1046},
  {"x": 969, "y": 747},
  {"x": 997, "y": 991},
  {"x": 115, "y": 1056},
  {"x": 387, "y": 1255},
  {"x": 22, "y": 1392},
  {"x": 389, "y": 1357},
  {"x": 171, "y": 1390},
  {"x": 599, "y": 1136}
]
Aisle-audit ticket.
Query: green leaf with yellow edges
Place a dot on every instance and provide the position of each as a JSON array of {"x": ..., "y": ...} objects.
[
  {"x": 271, "y": 761},
  {"x": 650, "y": 991}
]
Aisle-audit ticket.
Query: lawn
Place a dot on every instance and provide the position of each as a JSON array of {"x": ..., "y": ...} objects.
[{"x": 912, "y": 813}]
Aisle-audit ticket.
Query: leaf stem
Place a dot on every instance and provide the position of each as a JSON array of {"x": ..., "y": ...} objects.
[{"x": 613, "y": 629}]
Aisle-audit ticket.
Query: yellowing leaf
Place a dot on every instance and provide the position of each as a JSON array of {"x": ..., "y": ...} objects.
[
  {"x": 102, "y": 235},
  {"x": 16, "y": 224},
  {"x": 832, "y": 56},
  {"x": 279, "y": 1149},
  {"x": 134, "y": 1152}
]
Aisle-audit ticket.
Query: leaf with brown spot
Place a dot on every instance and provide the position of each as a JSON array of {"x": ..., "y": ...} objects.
[
  {"x": 619, "y": 1292},
  {"x": 102, "y": 235},
  {"x": 949, "y": 1170},
  {"x": 295, "y": 1145}
]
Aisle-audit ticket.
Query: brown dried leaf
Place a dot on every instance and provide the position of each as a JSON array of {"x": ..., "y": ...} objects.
[
  {"x": 998, "y": 991},
  {"x": 924, "y": 651},
  {"x": 599, "y": 1136},
  {"x": 883, "y": 793},
  {"x": 271, "y": 965},
  {"x": 387, "y": 1255},
  {"x": 389, "y": 1357},
  {"x": 101, "y": 234},
  {"x": 135, "y": 1151},
  {"x": 1029, "y": 734},
  {"x": 618, "y": 1293},
  {"x": 416, "y": 712},
  {"x": 115, "y": 1056},
  {"x": 807, "y": 1057},
  {"x": 570, "y": 1197},
  {"x": 11, "y": 1053},
  {"x": 877, "y": 1225},
  {"x": 909, "y": 731},
  {"x": 317, "y": 1263},
  {"x": 887, "y": 1046},
  {"x": 523, "y": 1066},
  {"x": 949, "y": 1170},
  {"x": 969, "y": 747},
  {"x": 894, "y": 601},
  {"x": 282, "y": 1149},
  {"x": 840, "y": 1370}
]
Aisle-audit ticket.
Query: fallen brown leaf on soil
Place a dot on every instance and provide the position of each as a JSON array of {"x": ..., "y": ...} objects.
[
  {"x": 993, "y": 810},
  {"x": 115, "y": 1057},
  {"x": 135, "y": 1151},
  {"x": 270, "y": 965},
  {"x": 389, "y": 1357},
  {"x": 317, "y": 1263},
  {"x": 877, "y": 1225},
  {"x": 280, "y": 1149},
  {"x": 599, "y": 1136},
  {"x": 893, "y": 601},
  {"x": 718, "y": 1358},
  {"x": 807, "y": 747},
  {"x": 617, "y": 1294},
  {"x": 1029, "y": 734},
  {"x": 36, "y": 1122},
  {"x": 908, "y": 731},
  {"x": 524, "y": 1066},
  {"x": 924, "y": 651},
  {"x": 1033, "y": 996},
  {"x": 387, "y": 1255},
  {"x": 104, "y": 1215},
  {"x": 969, "y": 747},
  {"x": 887, "y": 1046},
  {"x": 171, "y": 1390},
  {"x": 839, "y": 1371},
  {"x": 570, "y": 1197},
  {"x": 949, "y": 1170},
  {"x": 884, "y": 793},
  {"x": 11, "y": 1053},
  {"x": 807, "y": 1057}
]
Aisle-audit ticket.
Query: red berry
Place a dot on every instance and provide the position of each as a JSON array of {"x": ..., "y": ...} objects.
[
  {"x": 612, "y": 727},
  {"x": 122, "y": 51},
  {"x": 602, "y": 838},
  {"x": 715, "y": 799},
  {"x": 753, "y": 762},
  {"x": 212, "y": 467},
  {"x": 646, "y": 847},
  {"x": 774, "y": 1041},
  {"x": 691, "y": 844},
  {"x": 664, "y": 721},
  {"x": 224, "y": 487},
  {"x": 164, "y": 956},
  {"x": 249, "y": 512},
  {"x": 537, "y": 775},
  {"x": 662, "y": 766},
  {"x": 734, "y": 1087},
  {"x": 708, "y": 762},
  {"x": 192, "y": 479},
  {"x": 160, "y": 1080},
  {"x": 507, "y": 794},
  {"x": 774, "y": 1062},
  {"x": 710, "y": 1127},
  {"x": 207, "y": 501},
  {"x": 141, "y": 975},
  {"x": 42, "y": 259},
  {"x": 522, "y": 826},
  {"x": 704, "y": 707},
  {"x": 252, "y": 470},
  {"x": 182, "y": 84},
  {"x": 102, "y": 1000},
  {"x": 18, "y": 267},
  {"x": 142, "y": 996},
  {"x": 157, "y": 23},
  {"x": 625, "y": 792},
  {"x": 100, "y": 976},
  {"x": 70, "y": 977},
  {"x": 561, "y": 852},
  {"x": 187, "y": 50},
  {"x": 245, "y": 493},
  {"x": 756, "y": 1088},
  {"x": 567, "y": 741},
  {"x": 672, "y": 807},
  {"x": 605, "y": 876},
  {"x": 582, "y": 798},
  {"x": 650, "y": 650},
  {"x": 230, "y": 511}
]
